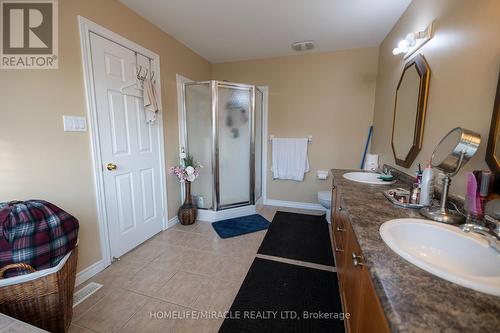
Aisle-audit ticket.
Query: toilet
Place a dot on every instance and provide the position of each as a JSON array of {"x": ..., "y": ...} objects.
[{"x": 325, "y": 199}]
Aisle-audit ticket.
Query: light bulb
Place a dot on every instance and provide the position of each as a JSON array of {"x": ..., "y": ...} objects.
[
  {"x": 397, "y": 51},
  {"x": 410, "y": 37},
  {"x": 403, "y": 44}
]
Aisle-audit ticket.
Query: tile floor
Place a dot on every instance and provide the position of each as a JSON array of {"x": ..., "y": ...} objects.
[{"x": 183, "y": 269}]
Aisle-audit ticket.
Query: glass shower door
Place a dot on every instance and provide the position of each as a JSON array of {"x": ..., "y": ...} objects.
[
  {"x": 259, "y": 102},
  {"x": 235, "y": 161},
  {"x": 198, "y": 108}
]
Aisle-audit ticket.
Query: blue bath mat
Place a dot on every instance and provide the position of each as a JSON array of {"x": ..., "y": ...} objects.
[{"x": 240, "y": 225}]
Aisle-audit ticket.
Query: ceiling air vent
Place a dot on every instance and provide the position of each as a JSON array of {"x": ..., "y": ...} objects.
[{"x": 303, "y": 46}]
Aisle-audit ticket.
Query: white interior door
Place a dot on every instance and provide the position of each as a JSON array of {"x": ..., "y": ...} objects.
[{"x": 133, "y": 193}]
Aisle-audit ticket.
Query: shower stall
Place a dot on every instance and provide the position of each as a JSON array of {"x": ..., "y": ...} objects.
[{"x": 222, "y": 129}]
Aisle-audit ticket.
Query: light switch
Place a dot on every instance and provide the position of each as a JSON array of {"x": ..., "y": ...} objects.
[{"x": 74, "y": 124}]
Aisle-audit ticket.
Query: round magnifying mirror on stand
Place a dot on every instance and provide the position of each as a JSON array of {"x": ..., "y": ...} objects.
[{"x": 451, "y": 153}]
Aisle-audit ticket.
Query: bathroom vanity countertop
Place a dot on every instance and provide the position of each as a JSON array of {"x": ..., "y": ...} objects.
[{"x": 413, "y": 299}]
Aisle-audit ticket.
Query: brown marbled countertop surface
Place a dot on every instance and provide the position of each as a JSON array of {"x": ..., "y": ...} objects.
[{"x": 413, "y": 300}]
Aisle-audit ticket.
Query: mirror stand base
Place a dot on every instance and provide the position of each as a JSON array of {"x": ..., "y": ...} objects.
[{"x": 442, "y": 215}]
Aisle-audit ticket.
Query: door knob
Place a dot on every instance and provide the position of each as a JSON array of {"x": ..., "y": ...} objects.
[{"x": 111, "y": 166}]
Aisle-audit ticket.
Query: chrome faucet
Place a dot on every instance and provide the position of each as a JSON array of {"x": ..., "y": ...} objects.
[
  {"x": 384, "y": 171},
  {"x": 494, "y": 223},
  {"x": 483, "y": 231}
]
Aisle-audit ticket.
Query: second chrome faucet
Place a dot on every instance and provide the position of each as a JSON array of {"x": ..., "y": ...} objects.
[{"x": 494, "y": 241}]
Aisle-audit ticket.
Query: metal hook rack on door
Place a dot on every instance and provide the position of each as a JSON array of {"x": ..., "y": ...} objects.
[{"x": 139, "y": 83}]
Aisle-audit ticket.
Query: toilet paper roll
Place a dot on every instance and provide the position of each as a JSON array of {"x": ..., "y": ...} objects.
[{"x": 371, "y": 162}]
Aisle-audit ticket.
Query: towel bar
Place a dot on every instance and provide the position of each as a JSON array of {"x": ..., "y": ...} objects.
[{"x": 309, "y": 138}]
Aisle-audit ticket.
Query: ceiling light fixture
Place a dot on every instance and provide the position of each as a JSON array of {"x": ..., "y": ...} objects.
[
  {"x": 303, "y": 45},
  {"x": 413, "y": 41}
]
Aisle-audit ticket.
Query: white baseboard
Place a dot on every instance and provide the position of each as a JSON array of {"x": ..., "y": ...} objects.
[
  {"x": 212, "y": 216},
  {"x": 294, "y": 204},
  {"x": 89, "y": 272},
  {"x": 173, "y": 221}
]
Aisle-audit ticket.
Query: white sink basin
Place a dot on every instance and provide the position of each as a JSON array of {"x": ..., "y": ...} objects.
[
  {"x": 445, "y": 251},
  {"x": 367, "y": 178}
]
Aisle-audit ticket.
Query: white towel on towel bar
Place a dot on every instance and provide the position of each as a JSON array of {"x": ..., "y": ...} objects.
[
  {"x": 290, "y": 158},
  {"x": 150, "y": 102}
]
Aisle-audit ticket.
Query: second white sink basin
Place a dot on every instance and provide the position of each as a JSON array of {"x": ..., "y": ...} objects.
[
  {"x": 445, "y": 251},
  {"x": 366, "y": 177}
]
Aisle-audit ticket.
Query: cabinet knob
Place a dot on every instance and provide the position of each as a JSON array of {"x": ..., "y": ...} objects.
[
  {"x": 340, "y": 209},
  {"x": 356, "y": 260},
  {"x": 339, "y": 229},
  {"x": 334, "y": 187},
  {"x": 338, "y": 249}
]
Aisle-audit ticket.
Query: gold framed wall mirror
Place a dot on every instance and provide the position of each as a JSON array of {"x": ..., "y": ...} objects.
[
  {"x": 409, "y": 111},
  {"x": 493, "y": 149}
]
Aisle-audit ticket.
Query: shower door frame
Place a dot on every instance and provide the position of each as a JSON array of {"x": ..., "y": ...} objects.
[{"x": 213, "y": 86}]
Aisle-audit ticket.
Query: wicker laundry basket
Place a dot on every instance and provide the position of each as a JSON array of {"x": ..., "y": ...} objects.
[{"x": 44, "y": 298}]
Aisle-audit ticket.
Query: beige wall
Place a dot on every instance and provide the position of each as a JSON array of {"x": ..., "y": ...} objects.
[
  {"x": 464, "y": 57},
  {"x": 329, "y": 96},
  {"x": 38, "y": 159}
]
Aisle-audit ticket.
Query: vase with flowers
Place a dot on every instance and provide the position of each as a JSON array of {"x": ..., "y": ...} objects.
[{"x": 187, "y": 173}]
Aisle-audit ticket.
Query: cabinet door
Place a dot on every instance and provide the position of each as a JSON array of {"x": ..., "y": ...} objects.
[
  {"x": 352, "y": 283},
  {"x": 359, "y": 296},
  {"x": 339, "y": 237},
  {"x": 337, "y": 223},
  {"x": 340, "y": 249},
  {"x": 332, "y": 213},
  {"x": 372, "y": 317}
]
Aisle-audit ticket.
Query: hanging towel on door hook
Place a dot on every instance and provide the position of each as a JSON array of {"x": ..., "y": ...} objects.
[{"x": 151, "y": 107}]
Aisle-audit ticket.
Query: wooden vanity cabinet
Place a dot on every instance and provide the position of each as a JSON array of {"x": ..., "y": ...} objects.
[
  {"x": 333, "y": 215},
  {"x": 356, "y": 289},
  {"x": 372, "y": 317},
  {"x": 351, "y": 283},
  {"x": 338, "y": 232}
]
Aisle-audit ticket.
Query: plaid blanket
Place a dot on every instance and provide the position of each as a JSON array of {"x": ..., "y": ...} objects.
[{"x": 35, "y": 232}]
